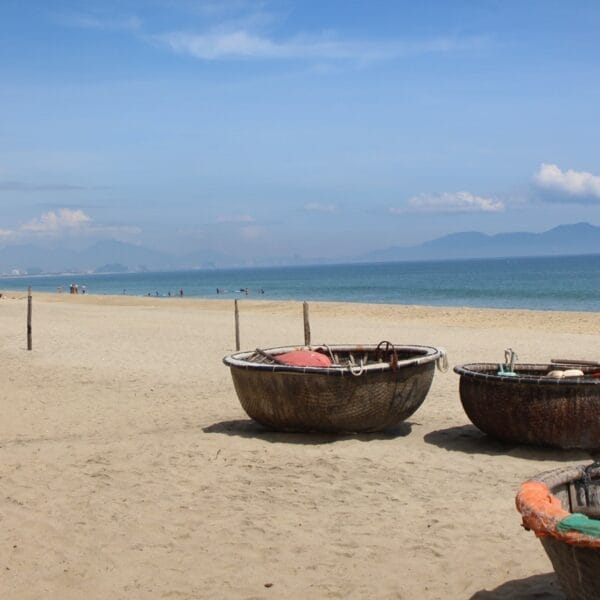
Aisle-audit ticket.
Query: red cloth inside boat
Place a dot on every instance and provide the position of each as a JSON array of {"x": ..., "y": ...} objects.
[{"x": 304, "y": 358}]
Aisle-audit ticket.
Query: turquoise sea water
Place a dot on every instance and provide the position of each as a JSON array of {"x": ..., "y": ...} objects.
[{"x": 549, "y": 283}]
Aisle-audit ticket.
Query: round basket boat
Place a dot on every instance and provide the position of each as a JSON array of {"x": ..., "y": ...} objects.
[
  {"x": 557, "y": 506},
  {"x": 361, "y": 391},
  {"x": 531, "y": 408}
]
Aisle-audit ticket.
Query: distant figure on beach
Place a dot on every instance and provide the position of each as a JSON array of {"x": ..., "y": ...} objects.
[
  {"x": 169, "y": 293},
  {"x": 83, "y": 289},
  {"x": 262, "y": 291},
  {"x": 181, "y": 291}
]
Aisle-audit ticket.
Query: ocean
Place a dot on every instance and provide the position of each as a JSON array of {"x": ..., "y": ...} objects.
[{"x": 546, "y": 283}]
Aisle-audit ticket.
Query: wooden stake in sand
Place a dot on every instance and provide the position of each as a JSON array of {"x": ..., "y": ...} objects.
[
  {"x": 237, "y": 325},
  {"x": 306, "y": 324},
  {"x": 29, "y": 318}
]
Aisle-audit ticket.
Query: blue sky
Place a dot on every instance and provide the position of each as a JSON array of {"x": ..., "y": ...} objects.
[{"x": 325, "y": 128}]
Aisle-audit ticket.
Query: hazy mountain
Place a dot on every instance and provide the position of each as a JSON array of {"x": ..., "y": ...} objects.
[
  {"x": 580, "y": 238},
  {"x": 27, "y": 257},
  {"x": 23, "y": 257},
  {"x": 132, "y": 256}
]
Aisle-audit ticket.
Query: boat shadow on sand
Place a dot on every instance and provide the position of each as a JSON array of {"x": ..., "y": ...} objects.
[
  {"x": 247, "y": 428},
  {"x": 537, "y": 586},
  {"x": 470, "y": 440}
]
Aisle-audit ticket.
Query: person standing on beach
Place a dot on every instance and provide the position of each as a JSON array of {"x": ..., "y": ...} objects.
[{"x": 181, "y": 292}]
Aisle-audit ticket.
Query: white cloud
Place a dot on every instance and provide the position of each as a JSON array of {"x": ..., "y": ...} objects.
[
  {"x": 576, "y": 184},
  {"x": 52, "y": 222},
  {"x": 244, "y": 44},
  {"x": 66, "y": 221},
  {"x": 449, "y": 202},
  {"x": 318, "y": 207}
]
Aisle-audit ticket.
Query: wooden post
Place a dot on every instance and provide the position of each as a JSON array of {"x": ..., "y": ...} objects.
[
  {"x": 29, "y": 318},
  {"x": 237, "y": 325},
  {"x": 306, "y": 324}
]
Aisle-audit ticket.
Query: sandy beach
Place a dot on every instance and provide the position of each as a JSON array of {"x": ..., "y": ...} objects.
[{"x": 128, "y": 468}]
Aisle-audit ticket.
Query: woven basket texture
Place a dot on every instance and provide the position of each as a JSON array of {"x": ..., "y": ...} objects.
[
  {"x": 295, "y": 400},
  {"x": 530, "y": 408}
]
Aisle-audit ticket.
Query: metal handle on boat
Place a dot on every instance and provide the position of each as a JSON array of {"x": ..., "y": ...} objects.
[{"x": 382, "y": 353}]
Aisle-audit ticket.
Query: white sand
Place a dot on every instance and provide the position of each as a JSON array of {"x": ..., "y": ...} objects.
[{"x": 129, "y": 470}]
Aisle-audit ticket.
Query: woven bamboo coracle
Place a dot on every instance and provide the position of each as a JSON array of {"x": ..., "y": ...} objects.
[
  {"x": 363, "y": 390},
  {"x": 531, "y": 408},
  {"x": 544, "y": 502}
]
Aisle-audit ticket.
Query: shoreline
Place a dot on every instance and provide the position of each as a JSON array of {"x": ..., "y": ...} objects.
[{"x": 565, "y": 321}]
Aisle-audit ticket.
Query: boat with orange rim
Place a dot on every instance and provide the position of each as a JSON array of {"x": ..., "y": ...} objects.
[{"x": 562, "y": 508}]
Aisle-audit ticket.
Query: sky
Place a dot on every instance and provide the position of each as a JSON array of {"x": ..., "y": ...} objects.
[{"x": 278, "y": 128}]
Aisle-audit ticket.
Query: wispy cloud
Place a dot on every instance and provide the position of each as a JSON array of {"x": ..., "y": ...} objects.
[
  {"x": 579, "y": 186},
  {"x": 236, "y": 13},
  {"x": 319, "y": 207},
  {"x": 244, "y": 30},
  {"x": 244, "y": 44},
  {"x": 449, "y": 202}
]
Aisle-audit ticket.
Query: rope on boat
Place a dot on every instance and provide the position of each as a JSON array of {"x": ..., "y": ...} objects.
[
  {"x": 441, "y": 361},
  {"x": 544, "y": 513},
  {"x": 331, "y": 356},
  {"x": 357, "y": 370},
  {"x": 357, "y": 366}
]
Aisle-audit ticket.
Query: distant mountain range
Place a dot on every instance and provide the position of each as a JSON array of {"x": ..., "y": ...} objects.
[
  {"x": 31, "y": 258},
  {"x": 101, "y": 257},
  {"x": 580, "y": 238}
]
